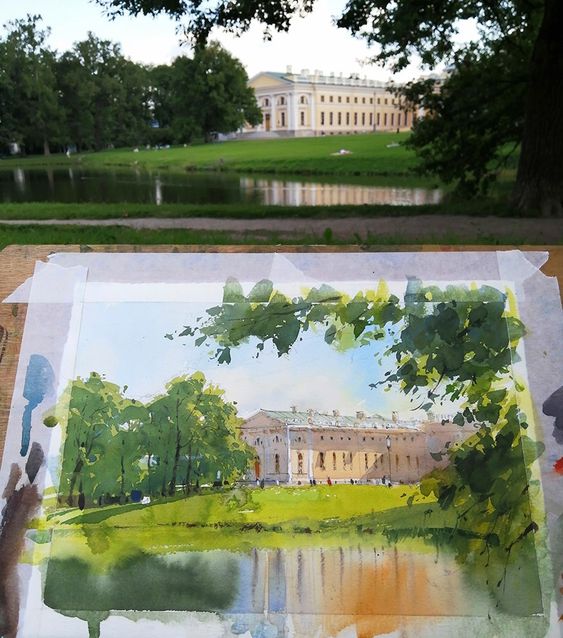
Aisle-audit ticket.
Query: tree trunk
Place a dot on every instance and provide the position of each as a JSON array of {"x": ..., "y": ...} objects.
[
  {"x": 539, "y": 182},
  {"x": 75, "y": 475},
  {"x": 46, "y": 148},
  {"x": 189, "y": 470},
  {"x": 172, "y": 486}
]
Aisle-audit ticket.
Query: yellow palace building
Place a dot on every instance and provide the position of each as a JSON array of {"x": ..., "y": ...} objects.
[{"x": 309, "y": 104}]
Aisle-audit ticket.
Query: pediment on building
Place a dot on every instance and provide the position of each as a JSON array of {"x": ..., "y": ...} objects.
[{"x": 268, "y": 80}]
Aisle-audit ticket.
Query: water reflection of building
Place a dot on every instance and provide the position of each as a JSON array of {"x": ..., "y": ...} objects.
[
  {"x": 291, "y": 193},
  {"x": 297, "y": 447}
]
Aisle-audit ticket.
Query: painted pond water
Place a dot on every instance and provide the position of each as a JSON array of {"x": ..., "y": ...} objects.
[
  {"x": 271, "y": 593},
  {"x": 136, "y": 186}
]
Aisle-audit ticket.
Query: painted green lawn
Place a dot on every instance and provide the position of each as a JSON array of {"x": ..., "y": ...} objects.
[{"x": 246, "y": 506}]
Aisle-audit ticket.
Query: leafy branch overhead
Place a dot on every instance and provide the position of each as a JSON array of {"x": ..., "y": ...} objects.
[{"x": 452, "y": 344}]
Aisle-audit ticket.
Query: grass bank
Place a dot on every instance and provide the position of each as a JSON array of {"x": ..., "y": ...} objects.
[
  {"x": 48, "y": 210},
  {"x": 108, "y": 235},
  {"x": 371, "y": 154}
]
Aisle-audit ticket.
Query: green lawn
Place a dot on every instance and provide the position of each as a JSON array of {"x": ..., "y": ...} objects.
[
  {"x": 370, "y": 156},
  {"x": 54, "y": 210},
  {"x": 109, "y": 235},
  {"x": 277, "y": 517},
  {"x": 272, "y": 506}
]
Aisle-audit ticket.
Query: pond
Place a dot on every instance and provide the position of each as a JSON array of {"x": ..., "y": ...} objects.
[{"x": 77, "y": 185}]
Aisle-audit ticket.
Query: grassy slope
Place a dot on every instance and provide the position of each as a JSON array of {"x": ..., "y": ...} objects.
[
  {"x": 370, "y": 156},
  {"x": 341, "y": 515},
  {"x": 272, "y": 506}
]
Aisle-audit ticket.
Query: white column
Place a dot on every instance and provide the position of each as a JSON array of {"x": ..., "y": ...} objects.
[
  {"x": 310, "y": 453},
  {"x": 313, "y": 111},
  {"x": 289, "y": 469},
  {"x": 291, "y": 115},
  {"x": 273, "y": 122}
]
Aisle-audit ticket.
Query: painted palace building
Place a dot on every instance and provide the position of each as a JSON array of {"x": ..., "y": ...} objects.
[
  {"x": 298, "y": 447},
  {"x": 308, "y": 104}
]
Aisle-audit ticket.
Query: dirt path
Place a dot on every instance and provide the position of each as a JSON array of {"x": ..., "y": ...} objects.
[{"x": 427, "y": 227}]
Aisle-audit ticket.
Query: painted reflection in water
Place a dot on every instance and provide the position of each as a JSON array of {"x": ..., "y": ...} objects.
[{"x": 382, "y": 585}]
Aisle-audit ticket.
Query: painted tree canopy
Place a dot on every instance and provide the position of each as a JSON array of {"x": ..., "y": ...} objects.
[
  {"x": 453, "y": 344},
  {"x": 114, "y": 445},
  {"x": 502, "y": 89}
]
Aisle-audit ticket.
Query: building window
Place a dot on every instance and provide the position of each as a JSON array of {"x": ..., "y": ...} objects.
[
  {"x": 392, "y": 118},
  {"x": 334, "y": 460},
  {"x": 385, "y": 119},
  {"x": 366, "y": 461},
  {"x": 350, "y": 460},
  {"x": 355, "y": 119},
  {"x": 371, "y": 119},
  {"x": 282, "y": 116},
  {"x": 355, "y": 100},
  {"x": 347, "y": 119},
  {"x": 417, "y": 463},
  {"x": 397, "y": 461},
  {"x": 344, "y": 460},
  {"x": 339, "y": 99},
  {"x": 330, "y": 99},
  {"x": 266, "y": 102},
  {"x": 302, "y": 118},
  {"x": 322, "y": 98},
  {"x": 378, "y": 118},
  {"x": 363, "y": 100},
  {"x": 339, "y": 118},
  {"x": 322, "y": 118},
  {"x": 363, "y": 119},
  {"x": 408, "y": 461},
  {"x": 371, "y": 100},
  {"x": 303, "y": 100},
  {"x": 281, "y": 101},
  {"x": 300, "y": 463},
  {"x": 277, "y": 463},
  {"x": 322, "y": 460},
  {"x": 330, "y": 118},
  {"x": 379, "y": 100},
  {"x": 348, "y": 100}
]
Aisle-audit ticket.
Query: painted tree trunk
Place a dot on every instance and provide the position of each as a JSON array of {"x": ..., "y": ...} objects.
[
  {"x": 539, "y": 181},
  {"x": 75, "y": 475}
]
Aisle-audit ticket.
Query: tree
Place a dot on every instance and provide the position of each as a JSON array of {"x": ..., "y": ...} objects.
[
  {"x": 30, "y": 113},
  {"x": 104, "y": 95},
  {"x": 522, "y": 34},
  {"x": 206, "y": 94},
  {"x": 87, "y": 413}
]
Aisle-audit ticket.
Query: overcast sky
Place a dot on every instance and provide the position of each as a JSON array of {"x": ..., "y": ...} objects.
[{"x": 312, "y": 43}]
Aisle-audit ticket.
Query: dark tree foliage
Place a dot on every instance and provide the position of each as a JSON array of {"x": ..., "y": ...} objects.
[
  {"x": 93, "y": 97},
  {"x": 520, "y": 48}
]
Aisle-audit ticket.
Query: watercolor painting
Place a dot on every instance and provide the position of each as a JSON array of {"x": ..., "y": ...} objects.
[{"x": 280, "y": 458}]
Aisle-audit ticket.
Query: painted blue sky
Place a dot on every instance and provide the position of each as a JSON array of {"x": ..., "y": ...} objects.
[{"x": 126, "y": 342}]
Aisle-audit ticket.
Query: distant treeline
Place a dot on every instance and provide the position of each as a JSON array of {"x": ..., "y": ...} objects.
[
  {"x": 92, "y": 97},
  {"x": 118, "y": 449}
]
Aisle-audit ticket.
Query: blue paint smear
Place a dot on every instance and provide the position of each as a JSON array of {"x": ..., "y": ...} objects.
[{"x": 39, "y": 382}]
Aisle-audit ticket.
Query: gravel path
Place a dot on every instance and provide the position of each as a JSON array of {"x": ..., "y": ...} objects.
[{"x": 427, "y": 227}]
